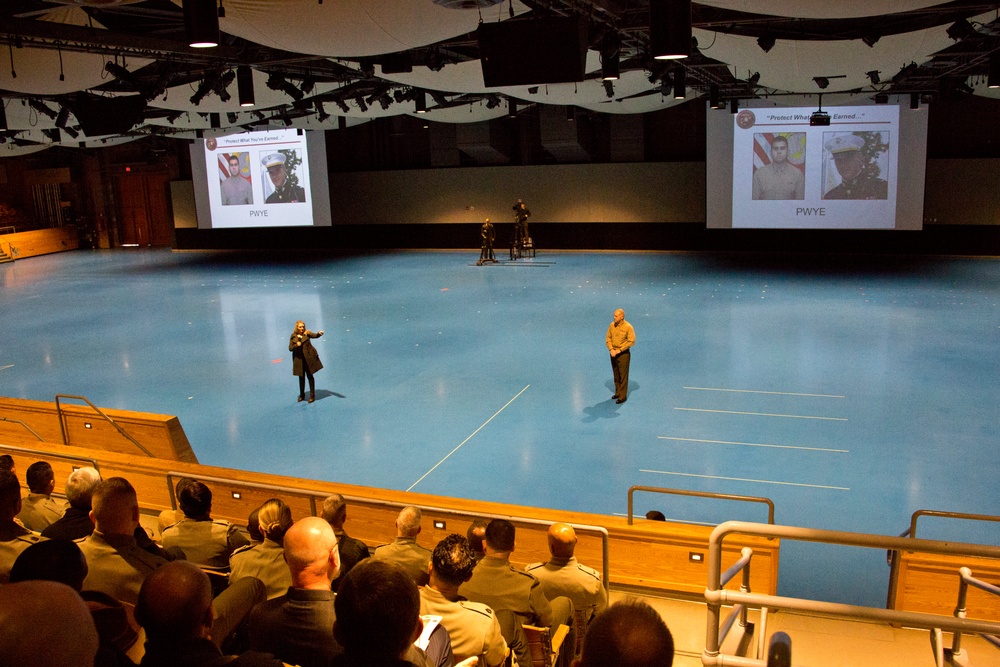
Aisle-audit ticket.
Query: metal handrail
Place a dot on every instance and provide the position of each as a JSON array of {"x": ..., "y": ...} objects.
[
  {"x": 18, "y": 421},
  {"x": 965, "y": 580},
  {"x": 716, "y": 595},
  {"x": 893, "y": 558},
  {"x": 701, "y": 494},
  {"x": 46, "y": 453},
  {"x": 12, "y": 228},
  {"x": 312, "y": 495},
  {"x": 62, "y": 425}
]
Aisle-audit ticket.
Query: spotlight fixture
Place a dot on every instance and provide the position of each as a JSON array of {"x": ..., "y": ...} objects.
[
  {"x": 873, "y": 76},
  {"x": 713, "y": 96},
  {"x": 439, "y": 98},
  {"x": 244, "y": 86},
  {"x": 201, "y": 19},
  {"x": 753, "y": 79},
  {"x": 63, "y": 116},
  {"x": 221, "y": 87},
  {"x": 121, "y": 73},
  {"x": 71, "y": 132},
  {"x": 361, "y": 103},
  {"x": 204, "y": 88},
  {"x": 286, "y": 120},
  {"x": 307, "y": 85},
  {"x": 993, "y": 79},
  {"x": 492, "y": 101},
  {"x": 276, "y": 81},
  {"x": 343, "y": 106},
  {"x": 385, "y": 101},
  {"x": 960, "y": 29},
  {"x": 680, "y": 83},
  {"x": 821, "y": 81},
  {"x": 914, "y": 101},
  {"x": 41, "y": 108},
  {"x": 881, "y": 98},
  {"x": 54, "y": 134},
  {"x": 766, "y": 42},
  {"x": 820, "y": 118},
  {"x": 611, "y": 49},
  {"x": 669, "y": 29},
  {"x": 609, "y": 88},
  {"x": 367, "y": 68},
  {"x": 871, "y": 39},
  {"x": 232, "y": 117},
  {"x": 420, "y": 101}
]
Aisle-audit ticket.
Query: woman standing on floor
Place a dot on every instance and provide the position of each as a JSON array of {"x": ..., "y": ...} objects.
[{"x": 305, "y": 359}]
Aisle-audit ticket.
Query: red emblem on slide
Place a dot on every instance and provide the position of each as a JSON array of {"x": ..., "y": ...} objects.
[{"x": 745, "y": 119}]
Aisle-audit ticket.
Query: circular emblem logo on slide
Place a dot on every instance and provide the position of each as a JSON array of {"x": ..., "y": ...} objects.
[
  {"x": 745, "y": 119},
  {"x": 211, "y": 144}
]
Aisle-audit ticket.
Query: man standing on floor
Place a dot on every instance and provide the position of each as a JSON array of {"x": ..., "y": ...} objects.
[{"x": 620, "y": 339}]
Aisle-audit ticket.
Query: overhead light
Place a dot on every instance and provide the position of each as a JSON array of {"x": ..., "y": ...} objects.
[
  {"x": 511, "y": 108},
  {"x": 766, "y": 42},
  {"x": 993, "y": 80},
  {"x": 669, "y": 29},
  {"x": 871, "y": 39},
  {"x": 420, "y": 102},
  {"x": 914, "y": 101},
  {"x": 819, "y": 118},
  {"x": 570, "y": 114},
  {"x": 201, "y": 19},
  {"x": 713, "y": 96},
  {"x": 960, "y": 29},
  {"x": 611, "y": 50},
  {"x": 873, "y": 76},
  {"x": 244, "y": 85},
  {"x": 3, "y": 116},
  {"x": 821, "y": 81},
  {"x": 680, "y": 84}
]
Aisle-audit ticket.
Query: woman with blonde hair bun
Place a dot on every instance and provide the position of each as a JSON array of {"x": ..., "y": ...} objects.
[{"x": 266, "y": 560}]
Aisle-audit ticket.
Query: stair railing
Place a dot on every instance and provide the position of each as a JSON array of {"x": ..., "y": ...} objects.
[{"x": 62, "y": 422}]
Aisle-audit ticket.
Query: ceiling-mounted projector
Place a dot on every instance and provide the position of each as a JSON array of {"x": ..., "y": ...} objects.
[{"x": 819, "y": 119}]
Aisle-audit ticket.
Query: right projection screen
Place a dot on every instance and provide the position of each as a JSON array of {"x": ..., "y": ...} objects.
[{"x": 768, "y": 168}]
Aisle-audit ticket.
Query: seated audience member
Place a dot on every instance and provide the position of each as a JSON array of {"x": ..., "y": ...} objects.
[
  {"x": 405, "y": 551},
  {"x": 44, "y": 624},
  {"x": 168, "y": 518},
  {"x": 473, "y": 627},
  {"x": 378, "y": 617},
  {"x": 7, "y": 463},
  {"x": 39, "y": 508},
  {"x": 175, "y": 609},
  {"x": 629, "y": 633},
  {"x": 475, "y": 535},
  {"x": 204, "y": 541},
  {"x": 14, "y": 538},
  {"x": 352, "y": 551},
  {"x": 253, "y": 528},
  {"x": 655, "y": 515},
  {"x": 298, "y": 626},
  {"x": 117, "y": 564},
  {"x": 62, "y": 561},
  {"x": 75, "y": 523},
  {"x": 266, "y": 561},
  {"x": 563, "y": 575},
  {"x": 496, "y": 583}
]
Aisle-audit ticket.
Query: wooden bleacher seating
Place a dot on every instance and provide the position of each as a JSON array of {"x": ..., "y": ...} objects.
[
  {"x": 929, "y": 583},
  {"x": 41, "y": 241}
]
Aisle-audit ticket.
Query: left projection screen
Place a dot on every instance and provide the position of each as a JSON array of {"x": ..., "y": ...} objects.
[{"x": 273, "y": 178}]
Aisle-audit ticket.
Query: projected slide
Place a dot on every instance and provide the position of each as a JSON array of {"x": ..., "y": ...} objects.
[
  {"x": 787, "y": 173},
  {"x": 259, "y": 179}
]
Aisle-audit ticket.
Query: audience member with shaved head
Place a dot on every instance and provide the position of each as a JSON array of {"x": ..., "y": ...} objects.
[
  {"x": 563, "y": 575},
  {"x": 298, "y": 626},
  {"x": 352, "y": 551},
  {"x": 175, "y": 609},
  {"x": 39, "y": 508},
  {"x": 405, "y": 551},
  {"x": 266, "y": 560},
  {"x": 118, "y": 565},
  {"x": 45, "y": 624},
  {"x": 629, "y": 633},
  {"x": 14, "y": 538}
]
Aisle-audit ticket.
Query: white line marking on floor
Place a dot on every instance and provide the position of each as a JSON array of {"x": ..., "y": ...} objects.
[
  {"x": 755, "y": 444},
  {"x": 3, "y": 368},
  {"x": 765, "y": 414},
  {"x": 469, "y": 438},
  {"x": 757, "y": 391},
  {"x": 741, "y": 479}
]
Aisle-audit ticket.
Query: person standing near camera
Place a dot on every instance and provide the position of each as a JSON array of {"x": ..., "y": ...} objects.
[{"x": 305, "y": 359}]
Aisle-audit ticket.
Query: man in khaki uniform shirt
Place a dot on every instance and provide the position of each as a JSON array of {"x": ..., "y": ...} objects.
[
  {"x": 205, "y": 542},
  {"x": 39, "y": 508},
  {"x": 620, "y": 339},
  {"x": 563, "y": 575},
  {"x": 116, "y": 564},
  {"x": 405, "y": 551},
  {"x": 13, "y": 538},
  {"x": 472, "y": 626}
]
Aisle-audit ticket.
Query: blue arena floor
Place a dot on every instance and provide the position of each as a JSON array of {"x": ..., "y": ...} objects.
[{"x": 850, "y": 391}]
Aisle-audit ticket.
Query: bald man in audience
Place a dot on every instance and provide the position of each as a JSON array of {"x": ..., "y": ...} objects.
[
  {"x": 14, "y": 538},
  {"x": 563, "y": 575},
  {"x": 298, "y": 626},
  {"x": 117, "y": 564},
  {"x": 45, "y": 624},
  {"x": 39, "y": 508},
  {"x": 352, "y": 551},
  {"x": 175, "y": 608},
  {"x": 405, "y": 551},
  {"x": 629, "y": 633}
]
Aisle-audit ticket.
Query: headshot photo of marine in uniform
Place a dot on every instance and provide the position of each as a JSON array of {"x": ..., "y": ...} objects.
[
  {"x": 855, "y": 158},
  {"x": 779, "y": 166},
  {"x": 281, "y": 175}
]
